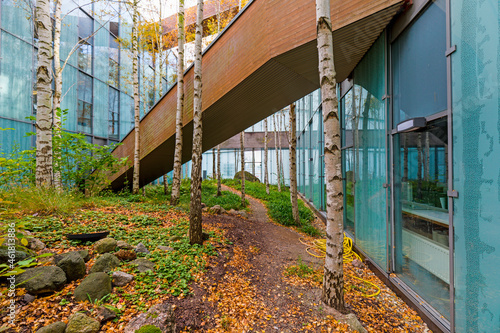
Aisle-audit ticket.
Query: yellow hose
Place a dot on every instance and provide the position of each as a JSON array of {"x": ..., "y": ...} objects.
[{"x": 318, "y": 250}]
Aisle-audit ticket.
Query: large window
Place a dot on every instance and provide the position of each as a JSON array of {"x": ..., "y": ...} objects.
[
  {"x": 84, "y": 112},
  {"x": 85, "y": 30}
]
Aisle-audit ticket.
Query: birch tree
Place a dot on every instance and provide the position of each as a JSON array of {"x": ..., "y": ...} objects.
[
  {"x": 135, "y": 83},
  {"x": 176, "y": 180},
  {"x": 333, "y": 279},
  {"x": 277, "y": 152},
  {"x": 44, "y": 170},
  {"x": 56, "y": 104},
  {"x": 266, "y": 171},
  {"x": 242, "y": 152},
  {"x": 219, "y": 192},
  {"x": 195, "y": 227},
  {"x": 214, "y": 158},
  {"x": 293, "y": 166}
]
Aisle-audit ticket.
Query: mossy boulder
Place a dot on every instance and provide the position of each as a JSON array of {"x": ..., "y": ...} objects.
[
  {"x": 73, "y": 265},
  {"x": 80, "y": 323},
  {"x": 248, "y": 177},
  {"x": 105, "y": 245},
  {"x": 149, "y": 329},
  {"x": 95, "y": 286},
  {"x": 105, "y": 263},
  {"x": 57, "y": 327},
  {"x": 40, "y": 280},
  {"x": 21, "y": 253}
]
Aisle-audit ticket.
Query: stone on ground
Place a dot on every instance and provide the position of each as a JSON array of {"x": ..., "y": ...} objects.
[
  {"x": 216, "y": 209},
  {"x": 160, "y": 315},
  {"x": 141, "y": 248},
  {"x": 143, "y": 265},
  {"x": 104, "y": 314},
  {"x": 124, "y": 245},
  {"x": 35, "y": 244},
  {"x": 41, "y": 280},
  {"x": 80, "y": 323},
  {"x": 21, "y": 253},
  {"x": 354, "y": 323},
  {"x": 105, "y": 245},
  {"x": 121, "y": 279},
  {"x": 57, "y": 327},
  {"x": 95, "y": 286},
  {"x": 126, "y": 255},
  {"x": 248, "y": 177},
  {"x": 73, "y": 266},
  {"x": 105, "y": 263}
]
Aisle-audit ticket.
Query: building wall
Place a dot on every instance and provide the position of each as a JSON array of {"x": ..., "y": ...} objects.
[{"x": 97, "y": 83}]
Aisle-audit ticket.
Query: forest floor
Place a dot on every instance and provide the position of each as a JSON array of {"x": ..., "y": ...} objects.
[{"x": 257, "y": 277}]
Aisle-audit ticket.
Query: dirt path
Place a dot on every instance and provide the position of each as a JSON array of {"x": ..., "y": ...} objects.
[{"x": 245, "y": 289}]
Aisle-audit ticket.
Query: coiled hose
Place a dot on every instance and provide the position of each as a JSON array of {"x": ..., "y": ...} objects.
[{"x": 318, "y": 249}]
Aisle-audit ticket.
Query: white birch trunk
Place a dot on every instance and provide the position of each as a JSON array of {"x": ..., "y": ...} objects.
[
  {"x": 195, "y": 227},
  {"x": 135, "y": 83},
  {"x": 266, "y": 171},
  {"x": 57, "y": 91},
  {"x": 293, "y": 166},
  {"x": 44, "y": 170},
  {"x": 176, "y": 179},
  {"x": 333, "y": 280},
  {"x": 219, "y": 192},
  {"x": 277, "y": 152},
  {"x": 242, "y": 152}
]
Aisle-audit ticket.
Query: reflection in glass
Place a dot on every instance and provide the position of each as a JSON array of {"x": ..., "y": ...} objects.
[{"x": 422, "y": 254}]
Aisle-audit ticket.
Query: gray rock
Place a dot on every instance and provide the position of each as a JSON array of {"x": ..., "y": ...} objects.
[
  {"x": 105, "y": 263},
  {"x": 35, "y": 244},
  {"x": 73, "y": 266},
  {"x": 165, "y": 248},
  {"x": 243, "y": 214},
  {"x": 141, "y": 248},
  {"x": 41, "y": 280},
  {"x": 84, "y": 254},
  {"x": 216, "y": 209},
  {"x": 160, "y": 315},
  {"x": 121, "y": 279},
  {"x": 232, "y": 212},
  {"x": 57, "y": 327},
  {"x": 223, "y": 211},
  {"x": 124, "y": 245},
  {"x": 104, "y": 314},
  {"x": 21, "y": 253},
  {"x": 95, "y": 286},
  {"x": 354, "y": 323},
  {"x": 80, "y": 323},
  {"x": 105, "y": 245},
  {"x": 28, "y": 298},
  {"x": 143, "y": 265}
]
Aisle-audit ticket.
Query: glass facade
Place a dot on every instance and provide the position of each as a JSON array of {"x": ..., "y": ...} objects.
[
  {"x": 475, "y": 72},
  {"x": 96, "y": 79}
]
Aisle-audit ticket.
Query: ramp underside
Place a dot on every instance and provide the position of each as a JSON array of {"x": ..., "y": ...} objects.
[{"x": 265, "y": 60}]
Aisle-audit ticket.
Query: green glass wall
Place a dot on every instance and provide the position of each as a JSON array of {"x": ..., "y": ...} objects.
[
  {"x": 369, "y": 138},
  {"x": 475, "y": 29}
]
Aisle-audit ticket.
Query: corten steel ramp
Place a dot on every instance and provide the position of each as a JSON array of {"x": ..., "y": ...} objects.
[{"x": 263, "y": 61}]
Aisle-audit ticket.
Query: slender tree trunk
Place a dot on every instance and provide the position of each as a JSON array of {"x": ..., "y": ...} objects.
[
  {"x": 195, "y": 227},
  {"x": 214, "y": 161},
  {"x": 219, "y": 192},
  {"x": 176, "y": 180},
  {"x": 282, "y": 175},
  {"x": 293, "y": 167},
  {"x": 44, "y": 171},
  {"x": 427, "y": 156},
  {"x": 333, "y": 280},
  {"x": 277, "y": 152},
  {"x": 137, "y": 109},
  {"x": 56, "y": 104},
  {"x": 266, "y": 172},
  {"x": 242, "y": 148}
]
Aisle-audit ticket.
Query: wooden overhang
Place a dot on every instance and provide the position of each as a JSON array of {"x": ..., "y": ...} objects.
[{"x": 263, "y": 61}]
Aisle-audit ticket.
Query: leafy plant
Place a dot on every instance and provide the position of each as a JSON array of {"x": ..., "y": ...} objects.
[{"x": 16, "y": 268}]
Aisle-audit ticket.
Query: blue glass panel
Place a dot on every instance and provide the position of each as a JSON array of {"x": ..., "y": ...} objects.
[
  {"x": 69, "y": 99},
  {"x": 101, "y": 53},
  {"x": 15, "y": 137},
  {"x": 69, "y": 37},
  {"x": 15, "y": 78},
  {"x": 419, "y": 66},
  {"x": 126, "y": 114},
  {"x": 101, "y": 107},
  {"x": 14, "y": 19},
  {"x": 476, "y": 156},
  {"x": 369, "y": 129}
]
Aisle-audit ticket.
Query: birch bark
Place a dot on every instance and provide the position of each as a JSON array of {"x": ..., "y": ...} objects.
[
  {"x": 135, "y": 83},
  {"x": 293, "y": 167}
]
